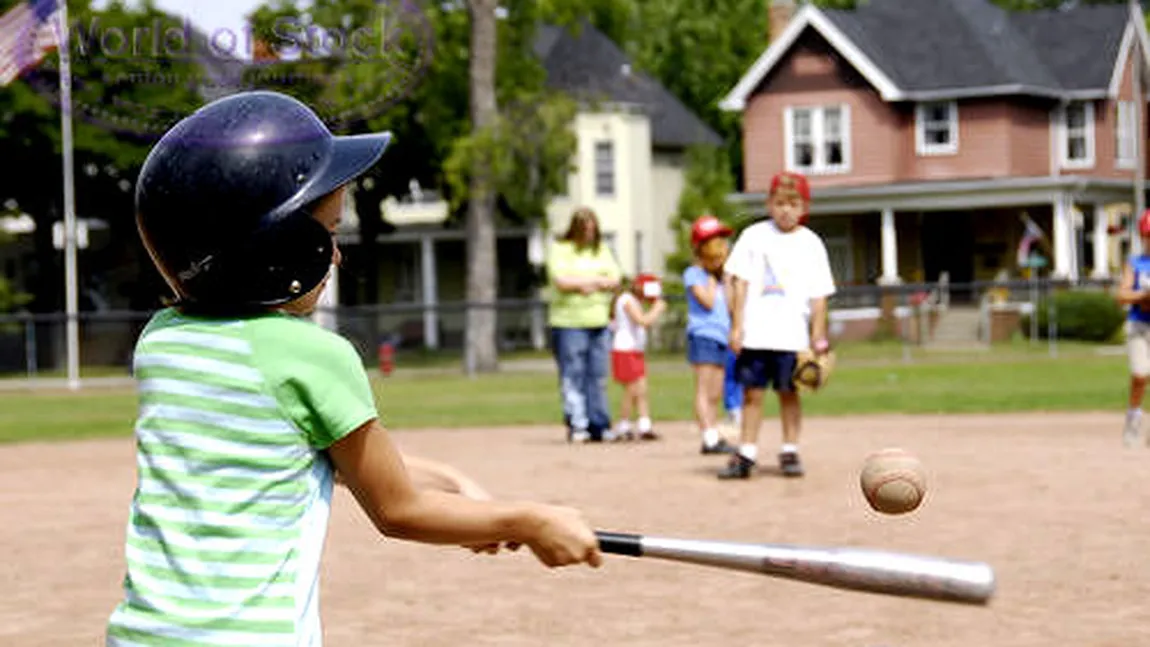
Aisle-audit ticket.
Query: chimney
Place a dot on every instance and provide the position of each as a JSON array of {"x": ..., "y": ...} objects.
[{"x": 779, "y": 16}]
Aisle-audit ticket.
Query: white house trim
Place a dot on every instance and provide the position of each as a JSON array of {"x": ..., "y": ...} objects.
[
  {"x": 945, "y": 94},
  {"x": 809, "y": 16},
  {"x": 949, "y": 195},
  {"x": 1140, "y": 27},
  {"x": 1120, "y": 61},
  {"x": 923, "y": 147}
]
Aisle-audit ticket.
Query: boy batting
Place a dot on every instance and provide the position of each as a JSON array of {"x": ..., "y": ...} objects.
[
  {"x": 248, "y": 409},
  {"x": 781, "y": 279}
]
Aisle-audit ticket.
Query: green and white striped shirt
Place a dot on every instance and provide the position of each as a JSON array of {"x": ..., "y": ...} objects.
[{"x": 233, "y": 489}]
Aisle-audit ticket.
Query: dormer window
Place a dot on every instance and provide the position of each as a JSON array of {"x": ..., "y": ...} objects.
[{"x": 936, "y": 128}]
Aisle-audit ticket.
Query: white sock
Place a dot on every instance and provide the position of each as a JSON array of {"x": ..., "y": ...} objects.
[
  {"x": 644, "y": 425},
  {"x": 1134, "y": 412},
  {"x": 736, "y": 416},
  {"x": 749, "y": 452},
  {"x": 789, "y": 448},
  {"x": 624, "y": 426},
  {"x": 711, "y": 437}
]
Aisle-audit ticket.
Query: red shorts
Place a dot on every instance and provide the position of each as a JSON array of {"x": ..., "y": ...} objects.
[{"x": 627, "y": 365}]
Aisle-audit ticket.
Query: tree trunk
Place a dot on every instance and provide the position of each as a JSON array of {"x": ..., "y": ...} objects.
[
  {"x": 367, "y": 212},
  {"x": 481, "y": 352}
]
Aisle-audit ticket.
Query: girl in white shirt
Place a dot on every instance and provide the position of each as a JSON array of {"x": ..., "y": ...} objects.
[{"x": 629, "y": 324}]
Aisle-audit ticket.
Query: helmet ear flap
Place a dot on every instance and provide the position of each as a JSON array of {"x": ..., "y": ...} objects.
[
  {"x": 296, "y": 257},
  {"x": 277, "y": 264}
]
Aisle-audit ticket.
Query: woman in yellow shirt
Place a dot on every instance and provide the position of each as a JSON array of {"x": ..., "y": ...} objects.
[{"x": 583, "y": 276}]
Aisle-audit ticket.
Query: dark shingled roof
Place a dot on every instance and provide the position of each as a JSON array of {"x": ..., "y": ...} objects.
[
  {"x": 589, "y": 66},
  {"x": 927, "y": 45}
]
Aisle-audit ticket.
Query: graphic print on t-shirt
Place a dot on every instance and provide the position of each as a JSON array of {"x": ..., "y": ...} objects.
[{"x": 771, "y": 284}]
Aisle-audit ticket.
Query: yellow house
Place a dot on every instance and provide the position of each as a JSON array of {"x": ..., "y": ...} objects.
[{"x": 632, "y": 135}]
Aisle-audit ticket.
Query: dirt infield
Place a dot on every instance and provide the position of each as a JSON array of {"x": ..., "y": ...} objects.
[{"x": 1054, "y": 502}]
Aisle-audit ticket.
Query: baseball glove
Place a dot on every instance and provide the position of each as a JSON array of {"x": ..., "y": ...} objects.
[{"x": 812, "y": 370}]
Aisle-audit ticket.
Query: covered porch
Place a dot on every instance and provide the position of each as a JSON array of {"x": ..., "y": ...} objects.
[
  {"x": 969, "y": 230},
  {"x": 420, "y": 289}
]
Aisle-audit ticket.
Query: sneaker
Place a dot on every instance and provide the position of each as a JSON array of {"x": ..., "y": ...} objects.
[
  {"x": 739, "y": 467},
  {"x": 1132, "y": 430},
  {"x": 578, "y": 436},
  {"x": 649, "y": 436},
  {"x": 790, "y": 464},
  {"x": 624, "y": 436},
  {"x": 721, "y": 447}
]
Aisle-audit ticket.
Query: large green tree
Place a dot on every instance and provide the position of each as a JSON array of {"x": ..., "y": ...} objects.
[
  {"x": 451, "y": 132},
  {"x": 698, "y": 51},
  {"x": 116, "y": 110}
]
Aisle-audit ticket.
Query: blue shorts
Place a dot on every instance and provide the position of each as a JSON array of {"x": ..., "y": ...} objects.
[
  {"x": 762, "y": 369},
  {"x": 704, "y": 350}
]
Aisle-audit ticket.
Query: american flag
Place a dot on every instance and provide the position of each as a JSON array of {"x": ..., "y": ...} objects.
[
  {"x": 1032, "y": 235},
  {"x": 27, "y": 33}
]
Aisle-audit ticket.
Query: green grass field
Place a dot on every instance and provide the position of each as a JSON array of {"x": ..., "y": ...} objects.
[{"x": 870, "y": 378}]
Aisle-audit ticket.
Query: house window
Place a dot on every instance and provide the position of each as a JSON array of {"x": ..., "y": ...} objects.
[
  {"x": 1125, "y": 133},
  {"x": 1078, "y": 135},
  {"x": 604, "y": 169},
  {"x": 818, "y": 139},
  {"x": 936, "y": 128}
]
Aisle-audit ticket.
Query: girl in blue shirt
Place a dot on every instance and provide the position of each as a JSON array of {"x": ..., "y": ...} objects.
[{"x": 708, "y": 326}]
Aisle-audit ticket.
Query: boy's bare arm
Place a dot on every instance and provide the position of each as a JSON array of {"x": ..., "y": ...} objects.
[
  {"x": 738, "y": 298},
  {"x": 1126, "y": 294},
  {"x": 818, "y": 319},
  {"x": 376, "y": 474},
  {"x": 441, "y": 476}
]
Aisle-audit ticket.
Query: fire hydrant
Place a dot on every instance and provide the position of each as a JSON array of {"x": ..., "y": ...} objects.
[{"x": 386, "y": 358}]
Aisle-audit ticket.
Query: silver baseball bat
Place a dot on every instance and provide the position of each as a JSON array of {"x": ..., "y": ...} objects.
[{"x": 856, "y": 569}]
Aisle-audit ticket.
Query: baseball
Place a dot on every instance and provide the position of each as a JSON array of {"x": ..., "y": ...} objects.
[{"x": 893, "y": 481}]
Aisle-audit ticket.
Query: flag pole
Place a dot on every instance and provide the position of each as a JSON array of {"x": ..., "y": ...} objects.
[{"x": 71, "y": 296}]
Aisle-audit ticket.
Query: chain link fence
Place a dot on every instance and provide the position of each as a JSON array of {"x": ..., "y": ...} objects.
[{"x": 962, "y": 317}]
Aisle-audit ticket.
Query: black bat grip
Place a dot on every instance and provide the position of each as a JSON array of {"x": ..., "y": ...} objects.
[{"x": 620, "y": 543}]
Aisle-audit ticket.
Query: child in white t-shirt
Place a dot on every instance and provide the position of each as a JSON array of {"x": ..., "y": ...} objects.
[
  {"x": 629, "y": 323},
  {"x": 782, "y": 278}
]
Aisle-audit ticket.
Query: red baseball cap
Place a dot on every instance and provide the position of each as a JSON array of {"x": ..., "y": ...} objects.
[
  {"x": 706, "y": 228},
  {"x": 793, "y": 181},
  {"x": 1144, "y": 223}
]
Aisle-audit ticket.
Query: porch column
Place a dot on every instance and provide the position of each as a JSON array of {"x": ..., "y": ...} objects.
[
  {"x": 1065, "y": 266},
  {"x": 1101, "y": 243},
  {"x": 430, "y": 291},
  {"x": 889, "y": 249},
  {"x": 537, "y": 257},
  {"x": 324, "y": 314}
]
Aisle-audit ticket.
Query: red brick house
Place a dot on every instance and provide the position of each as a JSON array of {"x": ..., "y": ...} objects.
[{"x": 928, "y": 127}]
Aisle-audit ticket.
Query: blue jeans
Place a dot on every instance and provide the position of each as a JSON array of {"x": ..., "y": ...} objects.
[
  {"x": 732, "y": 390},
  {"x": 583, "y": 357}
]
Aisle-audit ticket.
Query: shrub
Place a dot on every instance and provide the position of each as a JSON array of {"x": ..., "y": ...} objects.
[{"x": 1083, "y": 315}]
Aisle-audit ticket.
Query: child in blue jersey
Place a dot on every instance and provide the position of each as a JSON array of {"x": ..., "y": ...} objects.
[
  {"x": 248, "y": 409},
  {"x": 708, "y": 326},
  {"x": 1134, "y": 291}
]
